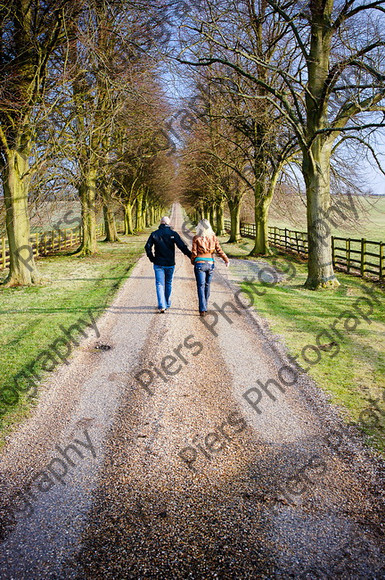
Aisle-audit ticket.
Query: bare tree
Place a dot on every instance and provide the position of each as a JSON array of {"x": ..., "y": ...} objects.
[
  {"x": 331, "y": 81},
  {"x": 263, "y": 135},
  {"x": 115, "y": 101},
  {"x": 30, "y": 33},
  {"x": 215, "y": 171},
  {"x": 139, "y": 162}
]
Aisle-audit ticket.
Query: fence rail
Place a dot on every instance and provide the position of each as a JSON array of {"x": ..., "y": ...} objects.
[
  {"x": 44, "y": 243},
  {"x": 353, "y": 255}
]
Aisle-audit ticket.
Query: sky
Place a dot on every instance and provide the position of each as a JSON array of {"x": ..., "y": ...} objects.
[
  {"x": 376, "y": 181},
  {"x": 177, "y": 89}
]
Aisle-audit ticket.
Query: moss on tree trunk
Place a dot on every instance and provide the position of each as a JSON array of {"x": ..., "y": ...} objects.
[
  {"x": 22, "y": 268},
  {"x": 110, "y": 225},
  {"x": 220, "y": 221},
  {"x": 128, "y": 222},
  {"x": 235, "y": 228},
  {"x": 87, "y": 192},
  {"x": 139, "y": 216},
  {"x": 263, "y": 196},
  {"x": 261, "y": 241},
  {"x": 316, "y": 170},
  {"x": 316, "y": 154}
]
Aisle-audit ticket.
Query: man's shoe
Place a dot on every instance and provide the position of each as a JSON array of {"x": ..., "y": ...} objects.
[
  {"x": 202, "y": 313},
  {"x": 162, "y": 310}
]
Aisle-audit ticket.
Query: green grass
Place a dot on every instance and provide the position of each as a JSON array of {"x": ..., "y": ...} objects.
[
  {"x": 240, "y": 250},
  {"x": 31, "y": 316},
  {"x": 357, "y": 372}
]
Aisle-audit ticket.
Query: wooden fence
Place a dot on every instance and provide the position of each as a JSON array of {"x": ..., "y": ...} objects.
[
  {"x": 353, "y": 255},
  {"x": 44, "y": 243}
]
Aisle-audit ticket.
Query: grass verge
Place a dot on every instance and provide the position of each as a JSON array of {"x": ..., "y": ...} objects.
[
  {"x": 31, "y": 316},
  {"x": 352, "y": 371}
]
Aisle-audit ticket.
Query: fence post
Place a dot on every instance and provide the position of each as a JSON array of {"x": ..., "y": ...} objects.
[
  {"x": 37, "y": 243},
  {"x": 348, "y": 255},
  {"x": 333, "y": 253},
  {"x": 381, "y": 259},
  {"x": 285, "y": 239},
  {"x": 45, "y": 242},
  {"x": 363, "y": 252},
  {"x": 53, "y": 240}
]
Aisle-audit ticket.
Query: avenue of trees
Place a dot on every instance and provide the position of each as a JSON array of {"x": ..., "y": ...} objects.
[
  {"x": 80, "y": 106},
  {"x": 280, "y": 90},
  {"x": 299, "y": 79}
]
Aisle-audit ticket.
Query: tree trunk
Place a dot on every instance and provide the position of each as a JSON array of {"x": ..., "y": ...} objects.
[
  {"x": 200, "y": 211},
  {"x": 316, "y": 155},
  {"x": 147, "y": 214},
  {"x": 261, "y": 242},
  {"x": 220, "y": 222},
  {"x": 316, "y": 171},
  {"x": 139, "y": 226},
  {"x": 110, "y": 225},
  {"x": 128, "y": 221},
  {"x": 87, "y": 199},
  {"x": 22, "y": 269},
  {"x": 212, "y": 216},
  {"x": 25, "y": 51},
  {"x": 235, "y": 229},
  {"x": 263, "y": 195},
  {"x": 206, "y": 212}
]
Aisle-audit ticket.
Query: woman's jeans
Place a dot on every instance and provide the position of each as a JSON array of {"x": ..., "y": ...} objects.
[
  {"x": 163, "y": 282},
  {"x": 203, "y": 274}
]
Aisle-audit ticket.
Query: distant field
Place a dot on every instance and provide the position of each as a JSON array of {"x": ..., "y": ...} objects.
[
  {"x": 291, "y": 213},
  {"x": 48, "y": 215},
  {"x": 286, "y": 211},
  {"x": 51, "y": 215}
]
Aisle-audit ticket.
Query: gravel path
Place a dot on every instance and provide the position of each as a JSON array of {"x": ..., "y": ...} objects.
[{"x": 189, "y": 480}]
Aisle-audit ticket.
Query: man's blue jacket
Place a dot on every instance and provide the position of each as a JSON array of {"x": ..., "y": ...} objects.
[{"x": 164, "y": 240}]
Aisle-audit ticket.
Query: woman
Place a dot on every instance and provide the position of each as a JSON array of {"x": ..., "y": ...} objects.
[{"x": 204, "y": 245}]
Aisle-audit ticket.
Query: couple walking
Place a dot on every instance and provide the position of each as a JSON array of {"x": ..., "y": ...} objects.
[{"x": 204, "y": 245}]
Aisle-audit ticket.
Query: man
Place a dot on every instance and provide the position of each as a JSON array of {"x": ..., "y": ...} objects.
[{"x": 164, "y": 240}]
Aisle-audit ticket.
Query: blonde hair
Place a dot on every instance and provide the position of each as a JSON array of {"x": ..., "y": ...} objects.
[{"x": 204, "y": 229}]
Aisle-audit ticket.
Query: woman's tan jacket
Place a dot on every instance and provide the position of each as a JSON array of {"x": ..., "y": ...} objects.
[{"x": 205, "y": 247}]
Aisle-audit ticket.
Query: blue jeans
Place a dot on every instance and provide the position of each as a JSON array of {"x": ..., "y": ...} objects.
[
  {"x": 203, "y": 274},
  {"x": 163, "y": 282}
]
